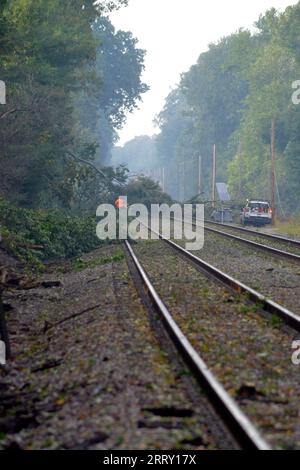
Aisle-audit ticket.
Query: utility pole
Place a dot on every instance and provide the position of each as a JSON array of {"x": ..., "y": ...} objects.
[
  {"x": 163, "y": 180},
  {"x": 200, "y": 175},
  {"x": 214, "y": 175},
  {"x": 183, "y": 164},
  {"x": 178, "y": 181},
  {"x": 273, "y": 171},
  {"x": 239, "y": 156},
  {"x": 181, "y": 181}
]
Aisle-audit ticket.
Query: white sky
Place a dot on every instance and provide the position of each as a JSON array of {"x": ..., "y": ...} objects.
[{"x": 174, "y": 33}]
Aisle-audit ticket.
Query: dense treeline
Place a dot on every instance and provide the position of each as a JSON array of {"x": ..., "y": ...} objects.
[
  {"x": 230, "y": 98},
  {"x": 140, "y": 154},
  {"x": 64, "y": 67},
  {"x": 70, "y": 80}
]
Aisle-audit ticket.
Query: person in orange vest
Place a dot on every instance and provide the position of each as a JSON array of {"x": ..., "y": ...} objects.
[{"x": 120, "y": 203}]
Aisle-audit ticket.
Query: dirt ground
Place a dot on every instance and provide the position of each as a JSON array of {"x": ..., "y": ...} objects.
[{"x": 88, "y": 371}]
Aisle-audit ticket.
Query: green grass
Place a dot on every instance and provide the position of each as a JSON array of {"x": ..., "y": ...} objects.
[
  {"x": 81, "y": 265},
  {"x": 289, "y": 227},
  {"x": 276, "y": 321}
]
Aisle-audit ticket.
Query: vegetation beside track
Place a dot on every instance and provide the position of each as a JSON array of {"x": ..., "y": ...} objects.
[
  {"x": 290, "y": 227},
  {"x": 34, "y": 236}
]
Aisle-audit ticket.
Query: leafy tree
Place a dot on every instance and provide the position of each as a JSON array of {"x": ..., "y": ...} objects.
[
  {"x": 143, "y": 190},
  {"x": 233, "y": 93},
  {"x": 139, "y": 154},
  {"x": 56, "y": 58},
  {"x": 118, "y": 67},
  {"x": 206, "y": 109}
]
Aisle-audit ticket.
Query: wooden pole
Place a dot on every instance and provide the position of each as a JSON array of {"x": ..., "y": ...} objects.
[
  {"x": 3, "y": 329},
  {"x": 200, "y": 176},
  {"x": 240, "y": 171},
  {"x": 183, "y": 176},
  {"x": 273, "y": 171},
  {"x": 178, "y": 181},
  {"x": 214, "y": 175}
]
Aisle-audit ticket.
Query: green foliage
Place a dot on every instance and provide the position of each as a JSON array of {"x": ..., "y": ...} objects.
[
  {"x": 143, "y": 190},
  {"x": 59, "y": 234},
  {"x": 43, "y": 61},
  {"x": 81, "y": 265},
  {"x": 139, "y": 154},
  {"x": 118, "y": 66},
  {"x": 34, "y": 236},
  {"x": 229, "y": 98},
  {"x": 276, "y": 321},
  {"x": 176, "y": 126},
  {"x": 60, "y": 61},
  {"x": 204, "y": 110}
]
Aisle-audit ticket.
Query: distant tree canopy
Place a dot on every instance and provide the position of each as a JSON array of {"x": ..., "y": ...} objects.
[
  {"x": 65, "y": 96},
  {"x": 119, "y": 65},
  {"x": 229, "y": 98},
  {"x": 139, "y": 154}
]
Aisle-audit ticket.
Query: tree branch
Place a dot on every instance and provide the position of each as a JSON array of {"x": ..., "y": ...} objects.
[
  {"x": 11, "y": 111},
  {"x": 48, "y": 326},
  {"x": 87, "y": 162}
]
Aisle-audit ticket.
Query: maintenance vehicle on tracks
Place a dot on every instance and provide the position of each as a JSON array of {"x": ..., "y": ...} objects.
[{"x": 257, "y": 213}]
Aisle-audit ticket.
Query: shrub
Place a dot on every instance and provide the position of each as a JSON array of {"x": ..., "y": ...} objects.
[{"x": 60, "y": 235}]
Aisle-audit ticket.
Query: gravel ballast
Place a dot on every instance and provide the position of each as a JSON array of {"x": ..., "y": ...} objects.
[
  {"x": 251, "y": 355},
  {"x": 88, "y": 371},
  {"x": 257, "y": 238},
  {"x": 276, "y": 278}
]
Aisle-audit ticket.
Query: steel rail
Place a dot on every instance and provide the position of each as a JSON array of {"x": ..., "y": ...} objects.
[
  {"x": 270, "y": 306},
  {"x": 244, "y": 431},
  {"x": 270, "y": 236},
  {"x": 257, "y": 246}
]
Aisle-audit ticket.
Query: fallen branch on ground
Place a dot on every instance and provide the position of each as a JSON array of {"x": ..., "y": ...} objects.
[
  {"x": 29, "y": 246},
  {"x": 48, "y": 326}
]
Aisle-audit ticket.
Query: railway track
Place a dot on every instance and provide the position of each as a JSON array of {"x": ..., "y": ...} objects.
[
  {"x": 236, "y": 421},
  {"x": 270, "y": 307},
  {"x": 253, "y": 244},
  {"x": 269, "y": 236}
]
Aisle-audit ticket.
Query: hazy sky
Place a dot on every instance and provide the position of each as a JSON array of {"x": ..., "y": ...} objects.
[{"x": 174, "y": 33}]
